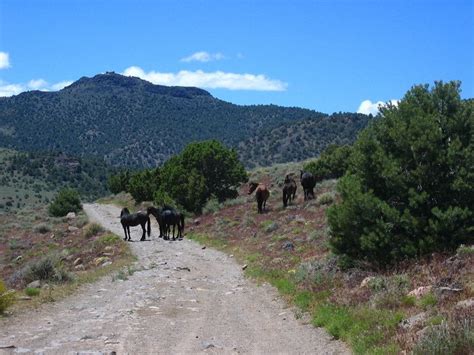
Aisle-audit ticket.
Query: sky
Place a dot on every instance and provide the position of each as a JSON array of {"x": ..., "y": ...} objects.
[{"x": 330, "y": 56}]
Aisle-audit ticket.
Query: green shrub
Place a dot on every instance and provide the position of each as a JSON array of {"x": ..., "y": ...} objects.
[
  {"x": 325, "y": 199},
  {"x": 409, "y": 189},
  {"x": 92, "y": 229},
  {"x": 108, "y": 239},
  {"x": 32, "y": 291},
  {"x": 269, "y": 226},
  {"x": 81, "y": 221},
  {"x": 332, "y": 163},
  {"x": 42, "y": 228},
  {"x": 67, "y": 200},
  {"x": 48, "y": 268},
  {"x": 201, "y": 170},
  {"x": 445, "y": 338},
  {"x": 211, "y": 206},
  {"x": 162, "y": 198},
  {"x": 7, "y": 297},
  {"x": 465, "y": 250},
  {"x": 428, "y": 300}
]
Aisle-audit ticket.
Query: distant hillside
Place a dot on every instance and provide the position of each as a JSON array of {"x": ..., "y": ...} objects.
[
  {"x": 131, "y": 122},
  {"x": 296, "y": 141},
  {"x": 29, "y": 179}
]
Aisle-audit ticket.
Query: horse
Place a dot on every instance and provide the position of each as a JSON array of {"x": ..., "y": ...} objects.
[
  {"x": 308, "y": 181},
  {"x": 167, "y": 217},
  {"x": 289, "y": 190},
  {"x": 131, "y": 220},
  {"x": 261, "y": 193}
]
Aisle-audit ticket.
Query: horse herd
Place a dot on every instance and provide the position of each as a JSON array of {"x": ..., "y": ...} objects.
[
  {"x": 307, "y": 180},
  {"x": 168, "y": 217}
]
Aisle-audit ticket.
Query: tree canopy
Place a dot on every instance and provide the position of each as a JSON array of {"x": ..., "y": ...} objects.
[{"x": 410, "y": 186}]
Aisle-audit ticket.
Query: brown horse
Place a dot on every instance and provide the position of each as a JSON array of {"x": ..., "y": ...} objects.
[
  {"x": 289, "y": 189},
  {"x": 261, "y": 193}
]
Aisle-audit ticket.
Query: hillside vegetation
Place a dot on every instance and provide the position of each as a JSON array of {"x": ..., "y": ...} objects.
[
  {"x": 32, "y": 179},
  {"x": 131, "y": 122}
]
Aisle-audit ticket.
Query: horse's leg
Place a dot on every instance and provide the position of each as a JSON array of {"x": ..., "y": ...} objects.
[
  {"x": 144, "y": 232},
  {"x": 128, "y": 231},
  {"x": 174, "y": 225},
  {"x": 125, "y": 231}
]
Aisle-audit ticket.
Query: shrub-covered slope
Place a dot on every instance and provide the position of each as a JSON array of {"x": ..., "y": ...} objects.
[{"x": 132, "y": 122}]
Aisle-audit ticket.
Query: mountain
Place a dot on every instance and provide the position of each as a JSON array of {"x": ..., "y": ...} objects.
[{"x": 131, "y": 122}]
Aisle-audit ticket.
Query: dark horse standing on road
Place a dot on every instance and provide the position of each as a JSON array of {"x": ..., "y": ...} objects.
[
  {"x": 261, "y": 193},
  {"x": 167, "y": 217},
  {"x": 308, "y": 181},
  {"x": 289, "y": 190},
  {"x": 131, "y": 220}
]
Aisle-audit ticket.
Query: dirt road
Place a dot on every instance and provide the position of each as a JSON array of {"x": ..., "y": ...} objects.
[{"x": 181, "y": 300}]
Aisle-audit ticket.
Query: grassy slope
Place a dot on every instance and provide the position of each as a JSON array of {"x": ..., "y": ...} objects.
[{"x": 289, "y": 249}]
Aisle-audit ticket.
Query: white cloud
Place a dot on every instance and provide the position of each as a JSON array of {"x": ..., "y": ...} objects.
[
  {"x": 37, "y": 84},
  {"x": 203, "y": 57},
  {"x": 8, "y": 89},
  {"x": 4, "y": 60},
  {"x": 61, "y": 85},
  {"x": 209, "y": 80},
  {"x": 369, "y": 107}
]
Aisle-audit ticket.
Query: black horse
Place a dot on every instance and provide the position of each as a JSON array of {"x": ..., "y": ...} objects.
[
  {"x": 131, "y": 220},
  {"x": 308, "y": 181},
  {"x": 167, "y": 217},
  {"x": 289, "y": 190}
]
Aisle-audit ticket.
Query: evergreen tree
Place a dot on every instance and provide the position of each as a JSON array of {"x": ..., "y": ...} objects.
[{"x": 410, "y": 186}]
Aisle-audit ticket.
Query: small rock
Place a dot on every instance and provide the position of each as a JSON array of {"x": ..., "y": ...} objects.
[
  {"x": 18, "y": 258},
  {"x": 420, "y": 291},
  {"x": 72, "y": 229},
  {"x": 108, "y": 254},
  {"x": 107, "y": 263},
  {"x": 465, "y": 304},
  {"x": 101, "y": 260},
  {"x": 288, "y": 246},
  {"x": 71, "y": 215},
  {"x": 34, "y": 284},
  {"x": 77, "y": 261},
  {"x": 109, "y": 248},
  {"x": 79, "y": 267},
  {"x": 197, "y": 221},
  {"x": 244, "y": 267},
  {"x": 24, "y": 298},
  {"x": 207, "y": 345},
  {"x": 45, "y": 287},
  {"x": 300, "y": 219},
  {"x": 204, "y": 247},
  {"x": 365, "y": 282},
  {"x": 52, "y": 236},
  {"x": 413, "y": 321}
]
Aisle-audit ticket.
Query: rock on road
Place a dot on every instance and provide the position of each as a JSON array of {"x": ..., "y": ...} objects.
[{"x": 180, "y": 300}]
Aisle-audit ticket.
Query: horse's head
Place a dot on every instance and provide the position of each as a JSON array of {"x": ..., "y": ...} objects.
[
  {"x": 252, "y": 187},
  {"x": 124, "y": 212}
]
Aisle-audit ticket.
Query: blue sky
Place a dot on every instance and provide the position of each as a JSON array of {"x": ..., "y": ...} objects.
[{"x": 324, "y": 55}]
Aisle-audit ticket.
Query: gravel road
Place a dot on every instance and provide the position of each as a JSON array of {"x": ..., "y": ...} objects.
[{"x": 181, "y": 300}]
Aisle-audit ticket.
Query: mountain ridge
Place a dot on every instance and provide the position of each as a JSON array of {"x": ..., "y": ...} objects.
[{"x": 132, "y": 122}]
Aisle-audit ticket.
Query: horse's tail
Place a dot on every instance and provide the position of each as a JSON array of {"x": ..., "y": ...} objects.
[
  {"x": 149, "y": 225},
  {"x": 181, "y": 217}
]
